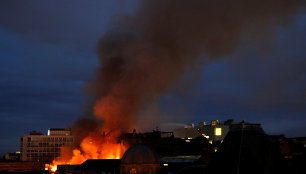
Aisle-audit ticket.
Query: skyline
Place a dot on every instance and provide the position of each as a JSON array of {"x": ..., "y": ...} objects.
[{"x": 48, "y": 54}]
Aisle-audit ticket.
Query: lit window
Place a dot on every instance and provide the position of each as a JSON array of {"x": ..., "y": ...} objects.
[{"x": 218, "y": 131}]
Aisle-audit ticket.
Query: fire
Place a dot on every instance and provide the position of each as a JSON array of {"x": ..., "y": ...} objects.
[
  {"x": 104, "y": 147},
  {"x": 53, "y": 168}
]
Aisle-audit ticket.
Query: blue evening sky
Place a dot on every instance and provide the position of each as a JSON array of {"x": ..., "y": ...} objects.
[{"x": 47, "y": 52}]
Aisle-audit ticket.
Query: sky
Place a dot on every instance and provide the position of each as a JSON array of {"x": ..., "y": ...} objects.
[{"x": 48, "y": 53}]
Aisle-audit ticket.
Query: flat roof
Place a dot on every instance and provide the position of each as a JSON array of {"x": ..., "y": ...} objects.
[{"x": 58, "y": 129}]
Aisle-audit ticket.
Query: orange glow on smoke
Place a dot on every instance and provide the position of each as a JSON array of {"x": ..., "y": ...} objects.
[{"x": 104, "y": 147}]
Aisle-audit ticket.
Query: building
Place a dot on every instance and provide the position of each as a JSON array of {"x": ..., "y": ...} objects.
[
  {"x": 140, "y": 159},
  {"x": 12, "y": 156},
  {"x": 44, "y": 148},
  {"x": 21, "y": 167},
  {"x": 93, "y": 166},
  {"x": 215, "y": 132},
  {"x": 165, "y": 144},
  {"x": 175, "y": 164},
  {"x": 247, "y": 149},
  {"x": 293, "y": 150}
]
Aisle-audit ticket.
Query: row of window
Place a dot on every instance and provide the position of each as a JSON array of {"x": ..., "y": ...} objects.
[
  {"x": 45, "y": 150},
  {"x": 53, "y": 139},
  {"x": 45, "y": 145},
  {"x": 43, "y": 154}
]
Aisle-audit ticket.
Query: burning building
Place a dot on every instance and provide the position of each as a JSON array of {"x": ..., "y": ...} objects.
[{"x": 143, "y": 56}]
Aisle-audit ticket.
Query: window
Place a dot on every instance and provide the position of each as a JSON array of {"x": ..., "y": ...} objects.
[{"x": 218, "y": 131}]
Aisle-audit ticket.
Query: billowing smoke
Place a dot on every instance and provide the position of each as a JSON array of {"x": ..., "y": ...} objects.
[{"x": 143, "y": 55}]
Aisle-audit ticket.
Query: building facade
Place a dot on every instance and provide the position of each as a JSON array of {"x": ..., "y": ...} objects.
[
  {"x": 214, "y": 132},
  {"x": 44, "y": 148}
]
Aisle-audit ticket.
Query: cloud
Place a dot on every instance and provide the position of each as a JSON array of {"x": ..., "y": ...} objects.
[{"x": 48, "y": 51}]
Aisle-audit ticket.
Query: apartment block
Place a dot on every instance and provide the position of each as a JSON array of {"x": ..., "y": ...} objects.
[{"x": 44, "y": 148}]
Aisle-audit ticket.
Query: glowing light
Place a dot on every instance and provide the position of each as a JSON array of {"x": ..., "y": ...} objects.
[
  {"x": 189, "y": 138},
  {"x": 166, "y": 165},
  {"x": 188, "y": 141},
  {"x": 53, "y": 169},
  {"x": 206, "y": 136},
  {"x": 218, "y": 131},
  {"x": 210, "y": 142}
]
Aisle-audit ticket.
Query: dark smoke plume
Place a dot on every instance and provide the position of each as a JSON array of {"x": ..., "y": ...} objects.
[{"x": 143, "y": 55}]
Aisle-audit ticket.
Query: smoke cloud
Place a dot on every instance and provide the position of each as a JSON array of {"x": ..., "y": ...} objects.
[{"x": 143, "y": 55}]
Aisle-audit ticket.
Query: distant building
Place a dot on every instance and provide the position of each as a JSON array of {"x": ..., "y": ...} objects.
[
  {"x": 12, "y": 156},
  {"x": 213, "y": 132},
  {"x": 39, "y": 147},
  {"x": 21, "y": 167},
  {"x": 140, "y": 159},
  {"x": 174, "y": 164},
  {"x": 248, "y": 150},
  {"x": 93, "y": 166},
  {"x": 165, "y": 144}
]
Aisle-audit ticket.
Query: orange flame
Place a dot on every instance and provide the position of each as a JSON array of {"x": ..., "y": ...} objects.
[{"x": 104, "y": 147}]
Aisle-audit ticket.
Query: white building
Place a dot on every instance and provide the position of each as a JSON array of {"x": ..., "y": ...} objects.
[{"x": 39, "y": 147}]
